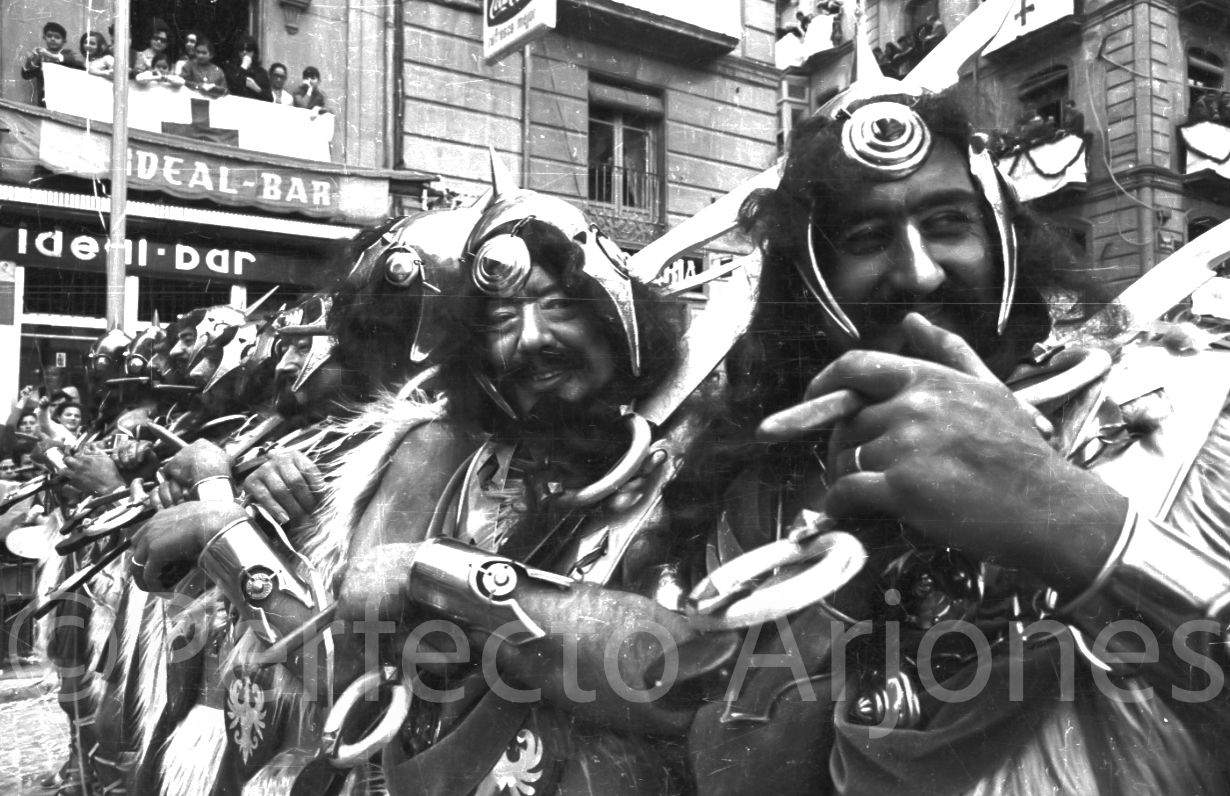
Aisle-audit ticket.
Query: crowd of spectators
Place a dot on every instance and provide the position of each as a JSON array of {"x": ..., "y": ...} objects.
[
  {"x": 33, "y": 415},
  {"x": 1033, "y": 129},
  {"x": 896, "y": 59},
  {"x": 1212, "y": 105},
  {"x": 189, "y": 62}
]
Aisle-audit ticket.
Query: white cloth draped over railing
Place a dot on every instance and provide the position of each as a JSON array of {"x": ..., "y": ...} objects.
[
  {"x": 260, "y": 126},
  {"x": 1043, "y": 169}
]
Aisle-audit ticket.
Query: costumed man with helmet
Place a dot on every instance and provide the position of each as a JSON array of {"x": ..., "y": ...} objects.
[
  {"x": 338, "y": 352},
  {"x": 1044, "y": 604},
  {"x": 529, "y": 514}
]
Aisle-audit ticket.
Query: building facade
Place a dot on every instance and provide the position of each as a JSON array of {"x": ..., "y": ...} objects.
[
  {"x": 1136, "y": 176},
  {"x": 228, "y": 198},
  {"x": 641, "y": 112}
]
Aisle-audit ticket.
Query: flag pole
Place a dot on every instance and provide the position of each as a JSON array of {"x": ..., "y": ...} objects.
[{"x": 116, "y": 249}]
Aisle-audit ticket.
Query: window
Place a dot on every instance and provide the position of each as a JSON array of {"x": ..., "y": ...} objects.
[
  {"x": 919, "y": 12},
  {"x": 624, "y": 135},
  {"x": 792, "y": 109},
  {"x": 1046, "y": 91},
  {"x": 59, "y": 291},
  {"x": 173, "y": 297},
  {"x": 1205, "y": 70}
]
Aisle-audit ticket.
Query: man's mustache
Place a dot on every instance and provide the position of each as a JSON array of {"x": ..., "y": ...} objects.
[
  {"x": 545, "y": 360},
  {"x": 953, "y": 301}
]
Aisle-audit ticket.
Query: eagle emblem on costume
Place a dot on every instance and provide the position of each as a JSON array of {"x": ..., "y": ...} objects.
[
  {"x": 245, "y": 714},
  {"x": 519, "y": 768}
]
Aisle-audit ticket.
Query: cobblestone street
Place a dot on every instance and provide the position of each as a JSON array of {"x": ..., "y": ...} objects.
[{"x": 34, "y": 734}]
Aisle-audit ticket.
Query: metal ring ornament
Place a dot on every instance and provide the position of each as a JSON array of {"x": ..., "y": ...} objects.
[
  {"x": 617, "y": 476},
  {"x": 403, "y": 266},
  {"x": 774, "y": 581},
  {"x": 858, "y": 459},
  {"x": 888, "y": 137},
  {"x": 348, "y": 755},
  {"x": 502, "y": 266}
]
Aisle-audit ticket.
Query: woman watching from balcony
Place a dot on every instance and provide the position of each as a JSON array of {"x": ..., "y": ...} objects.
[
  {"x": 187, "y": 52},
  {"x": 159, "y": 41},
  {"x": 96, "y": 57},
  {"x": 245, "y": 76},
  {"x": 203, "y": 74}
]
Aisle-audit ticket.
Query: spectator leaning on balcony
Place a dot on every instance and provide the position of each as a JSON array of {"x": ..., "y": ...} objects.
[
  {"x": 309, "y": 95},
  {"x": 52, "y": 51},
  {"x": 277, "y": 84},
  {"x": 159, "y": 41},
  {"x": 245, "y": 76},
  {"x": 203, "y": 74},
  {"x": 161, "y": 73},
  {"x": 96, "y": 56},
  {"x": 187, "y": 52}
]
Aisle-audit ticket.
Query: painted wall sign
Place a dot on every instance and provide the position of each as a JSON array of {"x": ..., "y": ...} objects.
[{"x": 79, "y": 250}]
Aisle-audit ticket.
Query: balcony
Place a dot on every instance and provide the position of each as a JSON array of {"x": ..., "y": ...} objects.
[
  {"x": 228, "y": 151},
  {"x": 696, "y": 30},
  {"x": 1044, "y": 169},
  {"x": 1206, "y": 159},
  {"x": 625, "y": 202}
]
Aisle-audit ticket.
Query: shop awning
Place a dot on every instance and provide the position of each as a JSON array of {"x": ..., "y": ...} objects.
[{"x": 197, "y": 170}]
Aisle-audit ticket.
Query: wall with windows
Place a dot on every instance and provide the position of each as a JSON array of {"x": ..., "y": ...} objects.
[{"x": 643, "y": 139}]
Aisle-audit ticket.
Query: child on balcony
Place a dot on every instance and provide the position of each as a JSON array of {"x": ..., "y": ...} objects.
[
  {"x": 52, "y": 51},
  {"x": 161, "y": 73},
  {"x": 94, "y": 52},
  {"x": 202, "y": 74}
]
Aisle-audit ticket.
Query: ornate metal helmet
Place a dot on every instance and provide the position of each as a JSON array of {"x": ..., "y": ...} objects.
[
  {"x": 214, "y": 328},
  {"x": 414, "y": 272},
  {"x": 308, "y": 318},
  {"x": 146, "y": 352},
  {"x": 235, "y": 351},
  {"x": 497, "y": 261},
  {"x": 106, "y": 360},
  {"x": 883, "y": 133}
]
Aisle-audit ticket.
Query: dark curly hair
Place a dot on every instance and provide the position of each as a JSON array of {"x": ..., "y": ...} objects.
[{"x": 786, "y": 345}]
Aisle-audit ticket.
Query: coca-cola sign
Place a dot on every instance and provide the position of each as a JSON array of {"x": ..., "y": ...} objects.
[
  {"x": 500, "y": 11},
  {"x": 509, "y": 24}
]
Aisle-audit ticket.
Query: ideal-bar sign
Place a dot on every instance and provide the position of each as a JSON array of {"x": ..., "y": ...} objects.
[
  {"x": 507, "y": 24},
  {"x": 82, "y": 251}
]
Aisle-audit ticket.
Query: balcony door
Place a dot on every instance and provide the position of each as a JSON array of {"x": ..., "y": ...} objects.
[
  {"x": 623, "y": 160},
  {"x": 223, "y": 21}
]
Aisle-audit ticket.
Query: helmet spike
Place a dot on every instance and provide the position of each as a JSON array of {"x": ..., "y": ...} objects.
[
  {"x": 864, "y": 66},
  {"x": 503, "y": 183}
]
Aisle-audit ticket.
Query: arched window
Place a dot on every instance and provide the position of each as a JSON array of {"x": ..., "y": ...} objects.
[{"x": 1206, "y": 71}]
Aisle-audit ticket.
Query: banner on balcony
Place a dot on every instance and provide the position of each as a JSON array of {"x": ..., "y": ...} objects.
[
  {"x": 507, "y": 24},
  {"x": 1045, "y": 168},
  {"x": 245, "y": 123},
  {"x": 1029, "y": 16},
  {"x": 1207, "y": 145},
  {"x": 155, "y": 163}
]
